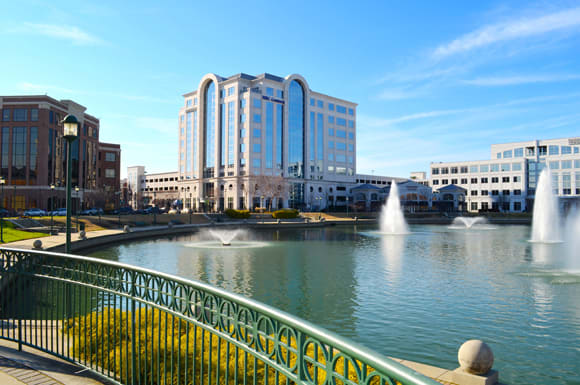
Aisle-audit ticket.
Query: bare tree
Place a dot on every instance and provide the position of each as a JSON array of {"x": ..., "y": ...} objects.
[{"x": 270, "y": 187}]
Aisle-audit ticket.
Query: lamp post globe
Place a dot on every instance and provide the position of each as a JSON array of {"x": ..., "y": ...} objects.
[
  {"x": 70, "y": 133},
  {"x": 2, "y": 182}
]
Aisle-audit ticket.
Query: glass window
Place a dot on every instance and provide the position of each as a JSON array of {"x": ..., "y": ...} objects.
[
  {"x": 331, "y": 157},
  {"x": 350, "y": 147},
  {"x": 188, "y": 102},
  {"x": 295, "y": 131},
  {"x": 330, "y": 168},
  {"x": 331, "y": 144},
  {"x": 444, "y": 170},
  {"x": 256, "y": 162},
  {"x": 231, "y": 91},
  {"x": 20, "y": 115},
  {"x": 577, "y": 163},
  {"x": 351, "y": 124},
  {"x": 195, "y": 101},
  {"x": 351, "y": 111},
  {"x": 269, "y": 91},
  {"x": 506, "y": 167},
  {"x": 341, "y": 122},
  {"x": 243, "y": 133},
  {"x": 566, "y": 150},
  {"x": 222, "y": 93},
  {"x": 436, "y": 181},
  {"x": 554, "y": 165},
  {"x": 566, "y": 163},
  {"x": 257, "y": 103},
  {"x": 518, "y": 152},
  {"x": 331, "y": 132},
  {"x": 312, "y": 102},
  {"x": 435, "y": 171},
  {"x": 454, "y": 170},
  {"x": 473, "y": 169},
  {"x": 210, "y": 126},
  {"x": 331, "y": 106},
  {"x": 110, "y": 156},
  {"x": 484, "y": 168},
  {"x": 269, "y": 150},
  {"x": 516, "y": 166},
  {"x": 507, "y": 154},
  {"x": 351, "y": 135},
  {"x": 542, "y": 150},
  {"x": 231, "y": 133},
  {"x": 341, "y": 146},
  {"x": 6, "y": 115},
  {"x": 34, "y": 115},
  {"x": 243, "y": 103},
  {"x": 330, "y": 119},
  {"x": 576, "y": 150},
  {"x": 341, "y": 109},
  {"x": 257, "y": 133},
  {"x": 341, "y": 158},
  {"x": 257, "y": 147},
  {"x": 498, "y": 155},
  {"x": 553, "y": 150},
  {"x": 242, "y": 147},
  {"x": 257, "y": 118},
  {"x": 242, "y": 118},
  {"x": 279, "y": 93},
  {"x": 494, "y": 167},
  {"x": 350, "y": 159},
  {"x": 320, "y": 104},
  {"x": 341, "y": 134}
]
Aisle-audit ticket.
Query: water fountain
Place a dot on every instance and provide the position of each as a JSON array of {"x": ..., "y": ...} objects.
[
  {"x": 225, "y": 239},
  {"x": 546, "y": 219},
  {"x": 392, "y": 220},
  {"x": 225, "y": 236},
  {"x": 467, "y": 222}
]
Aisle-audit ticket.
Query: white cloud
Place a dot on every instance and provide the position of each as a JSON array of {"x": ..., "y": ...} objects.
[
  {"x": 71, "y": 33},
  {"x": 515, "y": 29},
  {"x": 521, "y": 79}
]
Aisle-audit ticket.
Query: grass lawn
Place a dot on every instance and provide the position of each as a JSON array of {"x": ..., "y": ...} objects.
[{"x": 10, "y": 234}]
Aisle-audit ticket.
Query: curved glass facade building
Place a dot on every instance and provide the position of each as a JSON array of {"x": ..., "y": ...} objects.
[
  {"x": 296, "y": 130},
  {"x": 209, "y": 114}
]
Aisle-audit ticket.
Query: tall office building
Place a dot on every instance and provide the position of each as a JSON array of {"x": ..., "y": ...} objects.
[
  {"x": 250, "y": 141},
  {"x": 33, "y": 154}
]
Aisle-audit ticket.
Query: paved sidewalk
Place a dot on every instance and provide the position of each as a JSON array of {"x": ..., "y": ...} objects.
[{"x": 57, "y": 240}]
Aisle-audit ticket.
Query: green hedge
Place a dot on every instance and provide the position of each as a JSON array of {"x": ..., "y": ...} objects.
[
  {"x": 238, "y": 214},
  {"x": 285, "y": 214}
]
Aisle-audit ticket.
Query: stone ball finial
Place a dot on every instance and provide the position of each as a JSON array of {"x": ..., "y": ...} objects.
[
  {"x": 126, "y": 229},
  {"x": 475, "y": 357},
  {"x": 83, "y": 235},
  {"x": 37, "y": 244}
]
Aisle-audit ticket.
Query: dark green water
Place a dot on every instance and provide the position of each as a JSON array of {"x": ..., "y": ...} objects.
[{"x": 417, "y": 297}]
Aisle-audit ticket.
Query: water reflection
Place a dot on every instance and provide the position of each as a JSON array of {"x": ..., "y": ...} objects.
[{"x": 392, "y": 248}]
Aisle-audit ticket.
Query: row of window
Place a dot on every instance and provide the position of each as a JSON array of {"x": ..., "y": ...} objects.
[
  {"x": 542, "y": 150},
  {"x": 505, "y": 206},
  {"x": 19, "y": 115},
  {"x": 496, "y": 167},
  {"x": 166, "y": 188},
  {"x": 171, "y": 179},
  {"x": 495, "y": 179},
  {"x": 331, "y": 107},
  {"x": 564, "y": 164},
  {"x": 494, "y": 192}
]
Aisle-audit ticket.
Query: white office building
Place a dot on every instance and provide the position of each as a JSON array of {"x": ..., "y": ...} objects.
[
  {"x": 507, "y": 182},
  {"x": 264, "y": 141}
]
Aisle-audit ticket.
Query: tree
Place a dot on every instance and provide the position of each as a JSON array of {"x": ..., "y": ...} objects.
[{"x": 270, "y": 187}]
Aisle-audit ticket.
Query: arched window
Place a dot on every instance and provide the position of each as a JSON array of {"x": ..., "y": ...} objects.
[
  {"x": 210, "y": 129},
  {"x": 296, "y": 130}
]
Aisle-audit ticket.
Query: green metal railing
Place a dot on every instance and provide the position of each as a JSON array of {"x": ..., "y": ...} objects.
[{"x": 138, "y": 326}]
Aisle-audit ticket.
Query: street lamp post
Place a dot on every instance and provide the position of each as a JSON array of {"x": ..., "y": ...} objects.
[
  {"x": 2, "y": 182},
  {"x": 77, "y": 189},
  {"x": 52, "y": 209},
  {"x": 347, "y": 200},
  {"x": 70, "y": 131},
  {"x": 154, "y": 209}
]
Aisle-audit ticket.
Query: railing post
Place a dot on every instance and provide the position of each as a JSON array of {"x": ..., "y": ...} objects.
[
  {"x": 19, "y": 285},
  {"x": 300, "y": 343},
  {"x": 133, "y": 335}
]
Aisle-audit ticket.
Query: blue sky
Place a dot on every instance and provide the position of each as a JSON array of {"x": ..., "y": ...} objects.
[{"x": 434, "y": 81}]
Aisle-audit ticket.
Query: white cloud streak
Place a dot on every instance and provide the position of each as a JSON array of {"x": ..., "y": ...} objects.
[
  {"x": 494, "y": 81},
  {"x": 515, "y": 29},
  {"x": 71, "y": 33}
]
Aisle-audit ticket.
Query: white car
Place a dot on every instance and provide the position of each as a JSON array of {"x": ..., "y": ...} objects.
[{"x": 59, "y": 212}]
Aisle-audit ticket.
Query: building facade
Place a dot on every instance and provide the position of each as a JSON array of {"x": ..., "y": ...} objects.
[
  {"x": 508, "y": 181},
  {"x": 161, "y": 189},
  {"x": 33, "y": 153},
  {"x": 248, "y": 141}
]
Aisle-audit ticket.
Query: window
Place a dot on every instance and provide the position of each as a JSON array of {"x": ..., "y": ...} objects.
[
  {"x": 351, "y": 135},
  {"x": 554, "y": 165},
  {"x": 242, "y": 147},
  {"x": 473, "y": 206},
  {"x": 543, "y": 150},
  {"x": 463, "y": 180},
  {"x": 484, "y": 193},
  {"x": 351, "y": 147},
  {"x": 530, "y": 151},
  {"x": 331, "y": 132},
  {"x": 320, "y": 104},
  {"x": 505, "y": 167},
  {"x": 312, "y": 102},
  {"x": 498, "y": 155},
  {"x": 507, "y": 154},
  {"x": 435, "y": 181},
  {"x": 495, "y": 179},
  {"x": 351, "y": 111},
  {"x": 494, "y": 192},
  {"x": 257, "y": 103},
  {"x": 494, "y": 167},
  {"x": 484, "y": 168},
  {"x": 331, "y": 157},
  {"x": 517, "y": 206},
  {"x": 473, "y": 192},
  {"x": 269, "y": 91},
  {"x": 256, "y": 162},
  {"x": 341, "y": 134},
  {"x": 505, "y": 192},
  {"x": 231, "y": 91},
  {"x": 34, "y": 115},
  {"x": 566, "y": 163},
  {"x": 484, "y": 205},
  {"x": 331, "y": 119},
  {"x": 330, "y": 168},
  {"x": 463, "y": 169},
  {"x": 6, "y": 115},
  {"x": 453, "y": 181},
  {"x": 341, "y": 146},
  {"x": 279, "y": 93},
  {"x": 20, "y": 114},
  {"x": 454, "y": 170},
  {"x": 257, "y": 133},
  {"x": 110, "y": 156},
  {"x": 553, "y": 150},
  {"x": 110, "y": 173},
  {"x": 516, "y": 179},
  {"x": 434, "y": 171},
  {"x": 473, "y": 169},
  {"x": 340, "y": 109},
  {"x": 243, "y": 133},
  {"x": 257, "y": 147},
  {"x": 243, "y": 103},
  {"x": 517, "y": 192},
  {"x": 483, "y": 180},
  {"x": 257, "y": 118},
  {"x": 341, "y": 122},
  {"x": 341, "y": 158},
  {"x": 577, "y": 163},
  {"x": 566, "y": 150},
  {"x": 350, "y": 159},
  {"x": 243, "y": 118},
  {"x": 444, "y": 170},
  {"x": 518, "y": 152},
  {"x": 444, "y": 181},
  {"x": 331, "y": 144},
  {"x": 473, "y": 180},
  {"x": 516, "y": 166},
  {"x": 350, "y": 124}
]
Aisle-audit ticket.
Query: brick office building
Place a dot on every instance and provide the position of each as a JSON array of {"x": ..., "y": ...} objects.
[{"x": 33, "y": 154}]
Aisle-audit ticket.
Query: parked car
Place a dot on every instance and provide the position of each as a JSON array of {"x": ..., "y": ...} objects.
[
  {"x": 152, "y": 210},
  {"x": 93, "y": 211},
  {"x": 125, "y": 210},
  {"x": 173, "y": 211},
  {"x": 186, "y": 211},
  {"x": 59, "y": 212},
  {"x": 34, "y": 213},
  {"x": 4, "y": 213}
]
